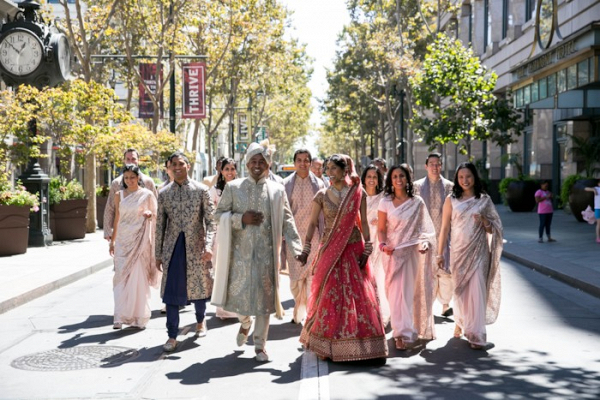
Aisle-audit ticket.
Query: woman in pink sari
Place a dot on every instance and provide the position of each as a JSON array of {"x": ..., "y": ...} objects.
[
  {"x": 407, "y": 238},
  {"x": 476, "y": 236},
  {"x": 132, "y": 247},
  {"x": 344, "y": 322}
]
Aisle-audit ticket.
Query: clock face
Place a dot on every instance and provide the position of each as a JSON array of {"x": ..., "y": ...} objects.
[
  {"x": 20, "y": 52},
  {"x": 64, "y": 57}
]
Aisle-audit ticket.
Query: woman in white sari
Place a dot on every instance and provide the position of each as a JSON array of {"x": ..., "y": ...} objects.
[
  {"x": 476, "y": 236},
  {"x": 227, "y": 173},
  {"x": 372, "y": 180},
  {"x": 407, "y": 239},
  {"x": 132, "y": 247}
]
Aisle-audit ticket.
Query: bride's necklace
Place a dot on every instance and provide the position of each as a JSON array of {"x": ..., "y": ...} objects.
[{"x": 339, "y": 193}]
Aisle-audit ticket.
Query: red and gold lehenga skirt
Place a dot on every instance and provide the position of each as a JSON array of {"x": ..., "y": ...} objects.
[{"x": 344, "y": 321}]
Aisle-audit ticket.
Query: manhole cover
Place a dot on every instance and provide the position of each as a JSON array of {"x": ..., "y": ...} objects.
[{"x": 74, "y": 358}]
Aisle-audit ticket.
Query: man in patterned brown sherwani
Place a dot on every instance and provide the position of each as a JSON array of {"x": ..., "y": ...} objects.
[
  {"x": 184, "y": 237},
  {"x": 434, "y": 189}
]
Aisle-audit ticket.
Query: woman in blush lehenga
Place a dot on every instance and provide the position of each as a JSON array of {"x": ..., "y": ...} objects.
[
  {"x": 476, "y": 236},
  {"x": 372, "y": 180},
  {"x": 344, "y": 322},
  {"x": 227, "y": 173},
  {"x": 132, "y": 247},
  {"x": 407, "y": 239}
]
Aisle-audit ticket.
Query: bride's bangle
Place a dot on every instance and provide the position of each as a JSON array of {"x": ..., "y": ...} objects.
[{"x": 381, "y": 246}]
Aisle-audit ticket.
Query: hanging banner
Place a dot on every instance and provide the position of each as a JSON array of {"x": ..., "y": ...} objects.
[
  {"x": 194, "y": 104},
  {"x": 243, "y": 126},
  {"x": 148, "y": 76}
]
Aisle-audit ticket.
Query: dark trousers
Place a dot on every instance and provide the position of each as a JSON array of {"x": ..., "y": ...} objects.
[
  {"x": 545, "y": 222},
  {"x": 173, "y": 316}
]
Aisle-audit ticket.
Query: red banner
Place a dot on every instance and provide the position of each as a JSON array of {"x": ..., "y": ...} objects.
[
  {"x": 194, "y": 100},
  {"x": 148, "y": 76}
]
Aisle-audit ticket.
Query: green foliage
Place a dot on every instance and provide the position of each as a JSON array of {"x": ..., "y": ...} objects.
[
  {"x": 102, "y": 191},
  {"x": 588, "y": 149},
  {"x": 59, "y": 189},
  {"x": 18, "y": 196},
  {"x": 454, "y": 100},
  {"x": 565, "y": 189}
]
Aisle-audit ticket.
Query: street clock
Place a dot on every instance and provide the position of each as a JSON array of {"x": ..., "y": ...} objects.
[{"x": 32, "y": 52}]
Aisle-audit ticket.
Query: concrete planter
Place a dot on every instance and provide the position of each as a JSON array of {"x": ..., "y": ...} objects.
[
  {"x": 67, "y": 219},
  {"x": 579, "y": 198},
  {"x": 520, "y": 195},
  {"x": 14, "y": 230},
  {"x": 100, "y": 206}
]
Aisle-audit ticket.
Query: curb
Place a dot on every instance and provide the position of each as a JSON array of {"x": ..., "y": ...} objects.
[
  {"x": 559, "y": 276},
  {"x": 33, "y": 294}
]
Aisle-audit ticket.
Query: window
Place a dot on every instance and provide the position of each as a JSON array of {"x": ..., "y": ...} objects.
[
  {"x": 529, "y": 9},
  {"x": 505, "y": 17},
  {"x": 543, "y": 88},
  {"x": 487, "y": 25},
  {"x": 572, "y": 77},
  {"x": 561, "y": 81},
  {"x": 583, "y": 72},
  {"x": 552, "y": 85},
  {"x": 534, "y": 92},
  {"x": 527, "y": 95}
]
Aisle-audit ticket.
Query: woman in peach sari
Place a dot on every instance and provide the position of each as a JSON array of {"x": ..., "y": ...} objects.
[
  {"x": 476, "y": 236},
  {"x": 344, "y": 322},
  {"x": 132, "y": 247}
]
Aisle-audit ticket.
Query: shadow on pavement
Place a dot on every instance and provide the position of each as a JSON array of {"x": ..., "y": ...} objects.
[{"x": 232, "y": 365}]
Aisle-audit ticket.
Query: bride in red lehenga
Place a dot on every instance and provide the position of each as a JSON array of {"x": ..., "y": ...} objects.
[{"x": 344, "y": 322}]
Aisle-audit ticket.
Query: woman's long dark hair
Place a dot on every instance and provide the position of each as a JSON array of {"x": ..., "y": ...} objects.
[
  {"x": 457, "y": 191},
  {"x": 389, "y": 188},
  {"x": 372, "y": 167},
  {"x": 220, "y": 185}
]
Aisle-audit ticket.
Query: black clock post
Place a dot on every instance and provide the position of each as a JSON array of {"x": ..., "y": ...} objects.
[{"x": 36, "y": 54}]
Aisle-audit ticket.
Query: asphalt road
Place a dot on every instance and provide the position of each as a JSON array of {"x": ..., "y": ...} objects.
[{"x": 545, "y": 345}]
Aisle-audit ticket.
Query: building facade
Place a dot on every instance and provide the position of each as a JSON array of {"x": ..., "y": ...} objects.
[{"x": 546, "y": 54}]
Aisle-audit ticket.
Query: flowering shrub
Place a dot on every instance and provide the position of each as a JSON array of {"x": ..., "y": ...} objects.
[
  {"x": 59, "y": 189},
  {"x": 18, "y": 196}
]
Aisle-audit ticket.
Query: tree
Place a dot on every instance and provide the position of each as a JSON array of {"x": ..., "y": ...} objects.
[{"x": 454, "y": 99}]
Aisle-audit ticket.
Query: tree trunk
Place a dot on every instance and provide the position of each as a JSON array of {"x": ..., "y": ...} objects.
[{"x": 90, "y": 192}]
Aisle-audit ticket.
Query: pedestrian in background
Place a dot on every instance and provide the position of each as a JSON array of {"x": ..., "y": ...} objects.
[
  {"x": 254, "y": 215},
  {"x": 184, "y": 236},
  {"x": 596, "y": 191},
  {"x": 169, "y": 176},
  {"x": 476, "y": 236},
  {"x": 381, "y": 164},
  {"x": 344, "y": 322},
  {"x": 300, "y": 188},
  {"x": 316, "y": 167},
  {"x": 434, "y": 189},
  {"x": 372, "y": 180},
  {"x": 227, "y": 173},
  {"x": 407, "y": 239},
  {"x": 211, "y": 180},
  {"x": 131, "y": 156},
  {"x": 132, "y": 246},
  {"x": 543, "y": 198}
]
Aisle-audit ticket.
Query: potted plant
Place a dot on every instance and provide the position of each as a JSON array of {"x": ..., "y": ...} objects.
[
  {"x": 518, "y": 193},
  {"x": 573, "y": 189},
  {"x": 101, "y": 199},
  {"x": 15, "y": 206},
  {"x": 68, "y": 208}
]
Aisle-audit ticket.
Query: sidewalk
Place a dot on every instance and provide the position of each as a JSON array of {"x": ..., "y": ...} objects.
[{"x": 573, "y": 259}]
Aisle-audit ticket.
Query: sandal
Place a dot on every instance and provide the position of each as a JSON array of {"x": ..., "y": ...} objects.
[
  {"x": 400, "y": 345},
  {"x": 457, "y": 331}
]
